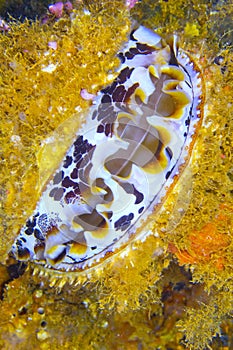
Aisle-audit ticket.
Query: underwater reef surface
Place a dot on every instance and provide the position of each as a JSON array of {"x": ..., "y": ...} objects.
[
  {"x": 22, "y": 9},
  {"x": 173, "y": 290}
]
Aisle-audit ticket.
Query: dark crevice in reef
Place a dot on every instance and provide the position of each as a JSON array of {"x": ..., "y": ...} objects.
[
  {"x": 20, "y": 10},
  {"x": 10, "y": 272},
  {"x": 16, "y": 270}
]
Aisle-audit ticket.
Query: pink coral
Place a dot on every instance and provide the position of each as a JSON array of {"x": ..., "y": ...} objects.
[
  {"x": 130, "y": 3},
  {"x": 56, "y": 9},
  {"x": 52, "y": 45},
  {"x": 86, "y": 95},
  {"x": 4, "y": 27},
  {"x": 68, "y": 6}
]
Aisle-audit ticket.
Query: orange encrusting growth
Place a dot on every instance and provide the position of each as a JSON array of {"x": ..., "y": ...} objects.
[{"x": 205, "y": 245}]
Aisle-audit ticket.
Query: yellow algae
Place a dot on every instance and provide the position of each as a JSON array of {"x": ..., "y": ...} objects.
[
  {"x": 178, "y": 282},
  {"x": 40, "y": 88},
  {"x": 170, "y": 16},
  {"x": 191, "y": 30}
]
